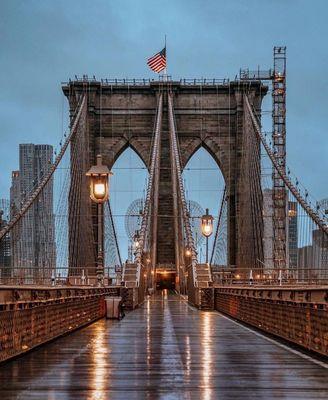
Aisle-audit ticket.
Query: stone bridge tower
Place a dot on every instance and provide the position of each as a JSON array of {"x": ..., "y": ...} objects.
[{"x": 211, "y": 114}]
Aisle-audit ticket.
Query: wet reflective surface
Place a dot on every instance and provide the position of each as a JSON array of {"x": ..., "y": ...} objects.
[{"x": 164, "y": 350}]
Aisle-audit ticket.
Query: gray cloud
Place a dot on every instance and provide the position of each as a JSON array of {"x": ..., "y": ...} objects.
[{"x": 45, "y": 42}]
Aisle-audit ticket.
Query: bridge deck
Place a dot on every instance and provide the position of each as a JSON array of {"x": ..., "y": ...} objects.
[{"x": 167, "y": 350}]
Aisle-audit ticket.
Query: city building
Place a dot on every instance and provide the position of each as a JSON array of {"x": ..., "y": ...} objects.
[
  {"x": 320, "y": 253},
  {"x": 33, "y": 240},
  {"x": 268, "y": 229},
  {"x": 313, "y": 258},
  {"x": 15, "y": 197},
  {"x": 292, "y": 236},
  {"x": 5, "y": 243},
  {"x": 15, "y": 205},
  {"x": 323, "y": 204},
  {"x": 305, "y": 257},
  {"x": 320, "y": 244},
  {"x": 268, "y": 232}
]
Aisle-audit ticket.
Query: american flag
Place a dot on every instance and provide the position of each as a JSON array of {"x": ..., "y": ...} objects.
[{"x": 158, "y": 62}]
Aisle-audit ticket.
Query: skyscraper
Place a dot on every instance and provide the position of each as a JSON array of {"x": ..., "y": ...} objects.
[
  {"x": 268, "y": 232},
  {"x": 320, "y": 244},
  {"x": 320, "y": 253},
  {"x": 268, "y": 229},
  {"x": 305, "y": 263},
  {"x": 33, "y": 239},
  {"x": 5, "y": 245},
  {"x": 292, "y": 236},
  {"x": 323, "y": 204},
  {"x": 313, "y": 258},
  {"x": 15, "y": 197}
]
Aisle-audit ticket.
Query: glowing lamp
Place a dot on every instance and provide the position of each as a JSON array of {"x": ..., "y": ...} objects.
[
  {"x": 99, "y": 190},
  {"x": 188, "y": 252},
  {"x": 207, "y": 224},
  {"x": 136, "y": 240},
  {"x": 99, "y": 182}
]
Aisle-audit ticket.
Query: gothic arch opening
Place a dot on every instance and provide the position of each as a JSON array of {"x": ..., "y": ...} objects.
[
  {"x": 204, "y": 185},
  {"x": 140, "y": 151},
  {"x": 202, "y": 145},
  {"x": 128, "y": 185}
]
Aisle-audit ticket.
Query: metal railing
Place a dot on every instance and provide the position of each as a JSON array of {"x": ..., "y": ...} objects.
[
  {"x": 59, "y": 276},
  {"x": 258, "y": 74},
  {"x": 148, "y": 81},
  {"x": 269, "y": 277},
  {"x": 205, "y": 81}
]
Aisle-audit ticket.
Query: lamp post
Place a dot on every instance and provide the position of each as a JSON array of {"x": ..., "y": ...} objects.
[
  {"x": 148, "y": 273},
  {"x": 99, "y": 192},
  {"x": 207, "y": 229}
]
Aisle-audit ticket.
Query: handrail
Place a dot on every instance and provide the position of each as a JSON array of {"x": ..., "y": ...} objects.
[
  {"x": 50, "y": 173},
  {"x": 205, "y": 81},
  {"x": 148, "y": 81},
  {"x": 306, "y": 207}
]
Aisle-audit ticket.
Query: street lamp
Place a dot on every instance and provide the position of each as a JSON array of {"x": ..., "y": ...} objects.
[
  {"x": 136, "y": 240},
  {"x": 99, "y": 183},
  {"x": 207, "y": 229},
  {"x": 99, "y": 192}
]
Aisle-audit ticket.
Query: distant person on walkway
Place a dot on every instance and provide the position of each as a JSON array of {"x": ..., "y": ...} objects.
[{"x": 121, "y": 313}]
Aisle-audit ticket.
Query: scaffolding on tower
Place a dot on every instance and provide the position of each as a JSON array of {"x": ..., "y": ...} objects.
[{"x": 279, "y": 194}]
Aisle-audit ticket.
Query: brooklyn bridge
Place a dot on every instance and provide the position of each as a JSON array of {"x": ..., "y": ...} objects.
[{"x": 246, "y": 319}]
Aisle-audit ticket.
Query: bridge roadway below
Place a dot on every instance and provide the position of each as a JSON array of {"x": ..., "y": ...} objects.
[{"x": 164, "y": 350}]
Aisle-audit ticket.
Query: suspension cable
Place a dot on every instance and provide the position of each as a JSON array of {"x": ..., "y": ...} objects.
[
  {"x": 218, "y": 224},
  {"x": 52, "y": 169},
  {"x": 177, "y": 165},
  {"x": 114, "y": 233},
  {"x": 307, "y": 208},
  {"x": 146, "y": 212}
]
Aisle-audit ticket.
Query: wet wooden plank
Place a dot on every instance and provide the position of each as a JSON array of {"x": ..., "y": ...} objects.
[{"x": 164, "y": 349}]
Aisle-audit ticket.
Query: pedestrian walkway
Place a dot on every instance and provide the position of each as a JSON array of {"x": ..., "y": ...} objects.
[{"x": 163, "y": 350}]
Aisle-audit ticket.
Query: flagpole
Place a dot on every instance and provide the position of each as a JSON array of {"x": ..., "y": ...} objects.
[{"x": 165, "y": 69}]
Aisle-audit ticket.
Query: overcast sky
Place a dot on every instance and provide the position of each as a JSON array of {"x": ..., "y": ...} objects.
[{"x": 43, "y": 43}]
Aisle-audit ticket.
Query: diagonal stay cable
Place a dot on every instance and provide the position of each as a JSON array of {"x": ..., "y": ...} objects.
[
  {"x": 176, "y": 158},
  {"x": 310, "y": 212},
  {"x": 154, "y": 157},
  {"x": 48, "y": 176},
  {"x": 218, "y": 225},
  {"x": 114, "y": 232}
]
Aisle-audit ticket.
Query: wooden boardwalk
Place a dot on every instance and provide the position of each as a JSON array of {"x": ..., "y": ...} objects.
[{"x": 164, "y": 350}]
